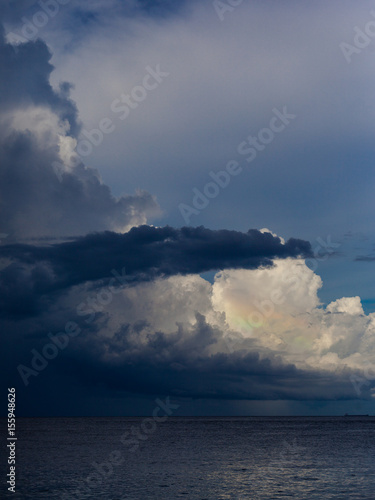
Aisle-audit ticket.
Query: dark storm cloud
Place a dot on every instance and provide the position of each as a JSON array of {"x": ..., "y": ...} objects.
[
  {"x": 181, "y": 365},
  {"x": 143, "y": 253},
  {"x": 34, "y": 200},
  {"x": 24, "y": 81},
  {"x": 137, "y": 361},
  {"x": 36, "y": 203}
]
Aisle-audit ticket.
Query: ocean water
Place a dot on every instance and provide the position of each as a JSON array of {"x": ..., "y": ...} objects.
[{"x": 194, "y": 458}]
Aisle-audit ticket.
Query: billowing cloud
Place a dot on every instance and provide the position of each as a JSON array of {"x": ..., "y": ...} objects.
[
  {"x": 279, "y": 309},
  {"x": 45, "y": 189},
  {"x": 252, "y": 334}
]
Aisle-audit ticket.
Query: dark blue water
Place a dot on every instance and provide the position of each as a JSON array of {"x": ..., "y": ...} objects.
[{"x": 195, "y": 458}]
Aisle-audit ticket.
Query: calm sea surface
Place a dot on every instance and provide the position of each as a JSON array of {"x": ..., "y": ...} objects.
[{"x": 197, "y": 458}]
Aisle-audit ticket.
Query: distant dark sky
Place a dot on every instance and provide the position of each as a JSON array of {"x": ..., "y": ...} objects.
[{"x": 186, "y": 199}]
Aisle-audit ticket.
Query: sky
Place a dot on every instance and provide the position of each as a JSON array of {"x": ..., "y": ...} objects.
[{"x": 186, "y": 206}]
